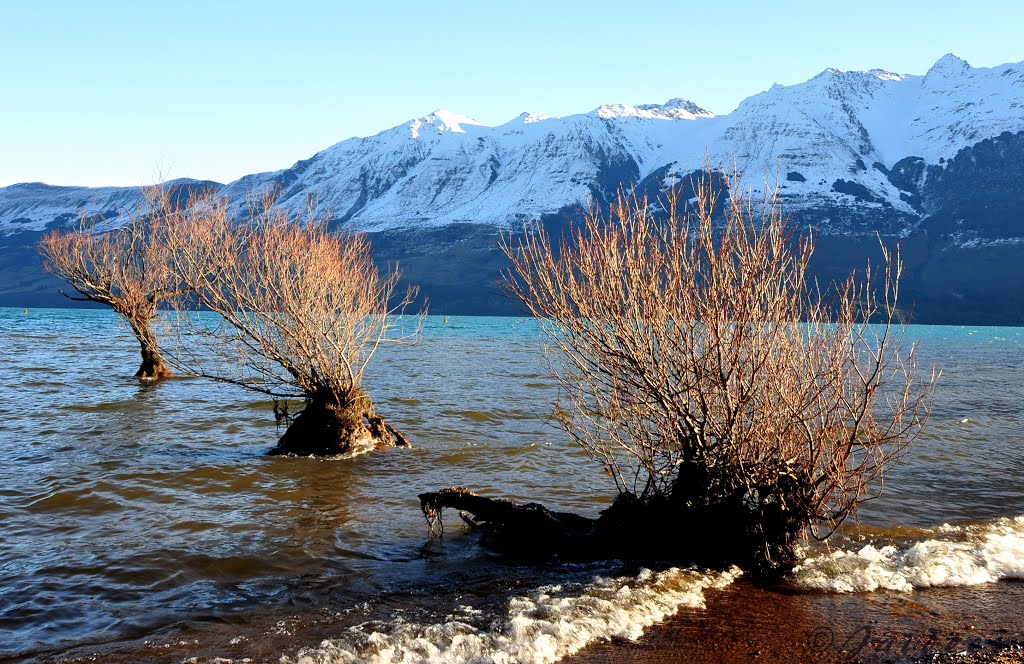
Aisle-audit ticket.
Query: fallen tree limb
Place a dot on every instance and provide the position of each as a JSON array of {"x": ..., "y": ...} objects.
[
  {"x": 524, "y": 528},
  {"x": 629, "y": 529}
]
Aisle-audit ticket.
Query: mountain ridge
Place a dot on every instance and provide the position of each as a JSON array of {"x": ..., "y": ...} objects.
[
  {"x": 445, "y": 167},
  {"x": 934, "y": 160}
]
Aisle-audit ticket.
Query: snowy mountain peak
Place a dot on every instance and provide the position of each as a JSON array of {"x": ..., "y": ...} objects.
[
  {"x": 442, "y": 122},
  {"x": 884, "y": 75},
  {"x": 833, "y": 74},
  {"x": 612, "y": 111},
  {"x": 677, "y": 108},
  {"x": 948, "y": 65},
  {"x": 529, "y": 118},
  {"x": 673, "y": 109}
]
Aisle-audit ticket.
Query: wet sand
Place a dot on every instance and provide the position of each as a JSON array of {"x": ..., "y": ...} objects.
[{"x": 746, "y": 623}]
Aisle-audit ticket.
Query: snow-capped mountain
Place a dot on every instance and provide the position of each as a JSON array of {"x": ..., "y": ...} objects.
[
  {"x": 856, "y": 153},
  {"x": 444, "y": 168},
  {"x": 833, "y": 140}
]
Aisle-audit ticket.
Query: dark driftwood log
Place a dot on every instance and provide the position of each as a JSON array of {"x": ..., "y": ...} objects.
[
  {"x": 528, "y": 528},
  {"x": 629, "y": 529}
]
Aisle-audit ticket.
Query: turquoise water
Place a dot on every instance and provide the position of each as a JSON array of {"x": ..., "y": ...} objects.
[{"x": 143, "y": 521}]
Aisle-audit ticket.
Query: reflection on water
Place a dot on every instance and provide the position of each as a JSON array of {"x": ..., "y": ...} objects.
[{"x": 143, "y": 520}]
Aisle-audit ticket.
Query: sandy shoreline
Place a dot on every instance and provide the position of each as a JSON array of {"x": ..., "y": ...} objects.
[{"x": 745, "y": 623}]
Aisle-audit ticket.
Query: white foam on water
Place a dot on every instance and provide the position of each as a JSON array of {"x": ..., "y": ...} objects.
[
  {"x": 544, "y": 626},
  {"x": 956, "y": 556}
]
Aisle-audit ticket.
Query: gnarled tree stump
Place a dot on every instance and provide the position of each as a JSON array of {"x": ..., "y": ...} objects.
[
  {"x": 330, "y": 430},
  {"x": 717, "y": 535}
]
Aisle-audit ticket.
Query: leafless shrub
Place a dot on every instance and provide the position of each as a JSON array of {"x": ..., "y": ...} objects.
[
  {"x": 700, "y": 367},
  {"x": 124, "y": 268},
  {"x": 300, "y": 312}
]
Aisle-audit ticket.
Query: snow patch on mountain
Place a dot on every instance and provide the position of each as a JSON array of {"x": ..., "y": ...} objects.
[
  {"x": 442, "y": 121},
  {"x": 34, "y": 206},
  {"x": 673, "y": 109}
]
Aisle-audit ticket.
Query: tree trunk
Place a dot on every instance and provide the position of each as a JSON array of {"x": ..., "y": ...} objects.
[
  {"x": 327, "y": 429},
  {"x": 659, "y": 529},
  {"x": 153, "y": 366},
  {"x": 529, "y": 529}
]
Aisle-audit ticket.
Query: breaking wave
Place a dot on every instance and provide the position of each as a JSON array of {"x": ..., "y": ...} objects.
[
  {"x": 544, "y": 626},
  {"x": 965, "y": 555}
]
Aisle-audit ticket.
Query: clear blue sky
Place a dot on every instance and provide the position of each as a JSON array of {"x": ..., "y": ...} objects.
[{"x": 103, "y": 92}]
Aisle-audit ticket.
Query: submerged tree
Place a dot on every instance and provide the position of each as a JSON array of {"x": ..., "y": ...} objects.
[
  {"x": 300, "y": 312},
  {"x": 736, "y": 406},
  {"x": 124, "y": 268}
]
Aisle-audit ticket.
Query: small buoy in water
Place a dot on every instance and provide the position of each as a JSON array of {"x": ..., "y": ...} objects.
[
  {"x": 445, "y": 319},
  {"x": 24, "y": 311}
]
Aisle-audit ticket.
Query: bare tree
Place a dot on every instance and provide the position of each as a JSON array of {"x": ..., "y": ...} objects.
[
  {"x": 124, "y": 268},
  {"x": 710, "y": 378},
  {"x": 299, "y": 313}
]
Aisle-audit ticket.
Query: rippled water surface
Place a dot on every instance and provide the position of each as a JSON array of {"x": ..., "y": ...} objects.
[{"x": 143, "y": 521}]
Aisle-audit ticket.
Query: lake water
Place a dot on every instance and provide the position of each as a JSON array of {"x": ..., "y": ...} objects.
[{"x": 143, "y": 522}]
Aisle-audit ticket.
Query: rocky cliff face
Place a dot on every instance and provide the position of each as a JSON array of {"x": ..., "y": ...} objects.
[{"x": 934, "y": 160}]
